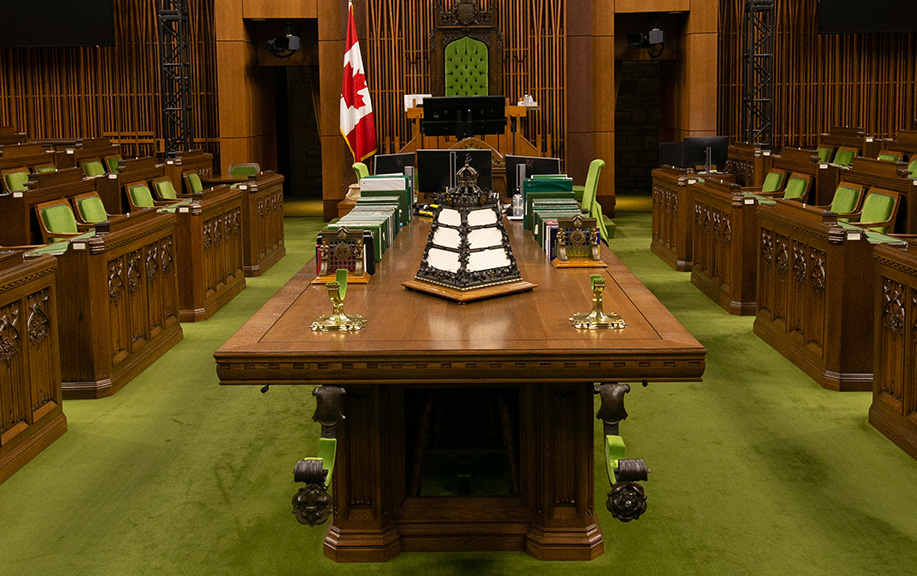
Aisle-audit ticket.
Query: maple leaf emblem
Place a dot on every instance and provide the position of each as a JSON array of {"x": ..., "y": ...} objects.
[{"x": 354, "y": 85}]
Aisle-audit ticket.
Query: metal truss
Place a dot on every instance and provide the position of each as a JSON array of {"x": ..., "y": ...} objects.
[
  {"x": 175, "y": 74},
  {"x": 759, "y": 72}
]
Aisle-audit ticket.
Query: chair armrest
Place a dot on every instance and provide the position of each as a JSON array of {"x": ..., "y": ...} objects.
[
  {"x": 83, "y": 227},
  {"x": 873, "y": 224}
]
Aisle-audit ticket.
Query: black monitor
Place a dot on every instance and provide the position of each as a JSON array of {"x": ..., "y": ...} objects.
[
  {"x": 392, "y": 163},
  {"x": 463, "y": 116},
  {"x": 707, "y": 151},
  {"x": 532, "y": 165},
  {"x": 435, "y": 169},
  {"x": 672, "y": 154}
]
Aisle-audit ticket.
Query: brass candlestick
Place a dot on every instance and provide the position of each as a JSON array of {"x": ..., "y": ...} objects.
[
  {"x": 338, "y": 321},
  {"x": 597, "y": 319}
]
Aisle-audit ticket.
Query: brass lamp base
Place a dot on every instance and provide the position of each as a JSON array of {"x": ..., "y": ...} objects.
[
  {"x": 598, "y": 321},
  {"x": 339, "y": 322}
]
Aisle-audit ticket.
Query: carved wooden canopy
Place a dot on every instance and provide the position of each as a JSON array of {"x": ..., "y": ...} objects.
[{"x": 465, "y": 19}]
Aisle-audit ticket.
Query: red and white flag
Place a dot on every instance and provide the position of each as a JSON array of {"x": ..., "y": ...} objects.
[{"x": 357, "y": 124}]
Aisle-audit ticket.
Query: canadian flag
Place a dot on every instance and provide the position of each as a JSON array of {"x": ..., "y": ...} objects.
[{"x": 357, "y": 124}]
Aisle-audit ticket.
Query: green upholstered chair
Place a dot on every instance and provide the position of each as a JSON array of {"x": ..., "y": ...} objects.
[
  {"x": 139, "y": 196},
  {"x": 111, "y": 163},
  {"x": 93, "y": 168},
  {"x": 824, "y": 153},
  {"x": 466, "y": 68},
  {"x": 164, "y": 188},
  {"x": 844, "y": 156},
  {"x": 592, "y": 184},
  {"x": 244, "y": 170},
  {"x": 44, "y": 168},
  {"x": 773, "y": 182},
  {"x": 89, "y": 208},
  {"x": 890, "y": 156},
  {"x": 797, "y": 187},
  {"x": 846, "y": 200},
  {"x": 56, "y": 221},
  {"x": 912, "y": 168},
  {"x": 880, "y": 207},
  {"x": 15, "y": 179},
  {"x": 193, "y": 182},
  {"x": 361, "y": 170}
]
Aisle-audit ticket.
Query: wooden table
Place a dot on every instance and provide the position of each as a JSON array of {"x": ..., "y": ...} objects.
[{"x": 519, "y": 352}]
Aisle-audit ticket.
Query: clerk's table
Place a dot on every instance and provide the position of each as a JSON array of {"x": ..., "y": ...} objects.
[{"x": 511, "y": 365}]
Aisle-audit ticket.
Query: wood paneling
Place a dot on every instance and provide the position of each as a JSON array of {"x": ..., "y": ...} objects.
[
  {"x": 84, "y": 92},
  {"x": 820, "y": 81}
]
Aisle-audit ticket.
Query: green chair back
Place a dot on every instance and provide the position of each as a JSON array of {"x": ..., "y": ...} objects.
[
  {"x": 877, "y": 208},
  {"x": 91, "y": 209},
  {"x": 912, "y": 169},
  {"x": 59, "y": 219},
  {"x": 165, "y": 189},
  {"x": 17, "y": 181},
  {"x": 592, "y": 183},
  {"x": 824, "y": 153},
  {"x": 885, "y": 157},
  {"x": 844, "y": 157},
  {"x": 466, "y": 68},
  {"x": 141, "y": 196},
  {"x": 845, "y": 200},
  {"x": 45, "y": 168},
  {"x": 244, "y": 169},
  {"x": 796, "y": 187},
  {"x": 113, "y": 162},
  {"x": 361, "y": 170},
  {"x": 773, "y": 181},
  {"x": 93, "y": 168},
  {"x": 194, "y": 182}
]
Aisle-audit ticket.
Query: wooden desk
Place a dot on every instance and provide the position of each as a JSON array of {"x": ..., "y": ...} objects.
[
  {"x": 520, "y": 346},
  {"x": 894, "y": 390},
  {"x": 31, "y": 417},
  {"x": 815, "y": 294},
  {"x": 119, "y": 297},
  {"x": 673, "y": 211}
]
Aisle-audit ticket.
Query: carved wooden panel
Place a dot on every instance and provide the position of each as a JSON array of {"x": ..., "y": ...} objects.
[
  {"x": 894, "y": 344},
  {"x": 816, "y": 307},
  {"x": 14, "y": 400},
  {"x": 118, "y": 309},
  {"x": 136, "y": 297},
  {"x": 167, "y": 269},
  {"x": 111, "y": 90},
  {"x": 44, "y": 381},
  {"x": 820, "y": 80}
]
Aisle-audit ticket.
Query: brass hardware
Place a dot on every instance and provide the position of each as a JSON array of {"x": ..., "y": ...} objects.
[
  {"x": 597, "y": 319},
  {"x": 338, "y": 321}
]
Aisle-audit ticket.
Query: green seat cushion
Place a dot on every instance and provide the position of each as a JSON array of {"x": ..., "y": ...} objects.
[
  {"x": 244, "y": 170},
  {"x": 141, "y": 196},
  {"x": 17, "y": 181},
  {"x": 165, "y": 190},
  {"x": 59, "y": 219},
  {"x": 877, "y": 208},
  {"x": 91, "y": 209},
  {"x": 912, "y": 169},
  {"x": 888, "y": 158},
  {"x": 772, "y": 182},
  {"x": 796, "y": 188},
  {"x": 93, "y": 168},
  {"x": 194, "y": 181},
  {"x": 843, "y": 157},
  {"x": 466, "y": 68},
  {"x": 45, "y": 169},
  {"x": 824, "y": 153},
  {"x": 845, "y": 200}
]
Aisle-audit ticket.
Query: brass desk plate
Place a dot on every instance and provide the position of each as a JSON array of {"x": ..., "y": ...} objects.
[
  {"x": 351, "y": 279},
  {"x": 597, "y": 319},
  {"x": 578, "y": 263},
  {"x": 469, "y": 295}
]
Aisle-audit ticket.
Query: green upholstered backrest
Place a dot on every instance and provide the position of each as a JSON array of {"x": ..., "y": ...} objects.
[
  {"x": 592, "y": 183},
  {"x": 824, "y": 153},
  {"x": 141, "y": 196},
  {"x": 194, "y": 181},
  {"x": 112, "y": 162},
  {"x": 165, "y": 189},
  {"x": 59, "y": 219},
  {"x": 244, "y": 169},
  {"x": 877, "y": 208},
  {"x": 44, "y": 168},
  {"x": 91, "y": 209},
  {"x": 773, "y": 181},
  {"x": 466, "y": 68},
  {"x": 93, "y": 168},
  {"x": 886, "y": 157},
  {"x": 912, "y": 169},
  {"x": 845, "y": 200},
  {"x": 796, "y": 187},
  {"x": 17, "y": 181},
  {"x": 361, "y": 170},
  {"x": 844, "y": 156}
]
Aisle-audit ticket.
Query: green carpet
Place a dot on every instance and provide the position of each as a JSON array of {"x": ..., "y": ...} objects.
[{"x": 756, "y": 470}]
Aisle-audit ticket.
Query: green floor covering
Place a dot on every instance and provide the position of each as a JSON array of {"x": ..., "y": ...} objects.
[{"x": 756, "y": 470}]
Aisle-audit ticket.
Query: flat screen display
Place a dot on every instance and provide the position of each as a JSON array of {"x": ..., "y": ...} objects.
[
  {"x": 392, "y": 163},
  {"x": 50, "y": 23},
  {"x": 533, "y": 165},
  {"x": 435, "y": 170}
]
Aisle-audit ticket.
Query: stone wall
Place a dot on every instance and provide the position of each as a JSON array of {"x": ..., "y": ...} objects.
[{"x": 637, "y": 127}]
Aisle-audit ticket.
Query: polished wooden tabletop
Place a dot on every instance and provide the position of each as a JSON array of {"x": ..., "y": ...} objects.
[{"x": 415, "y": 337}]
